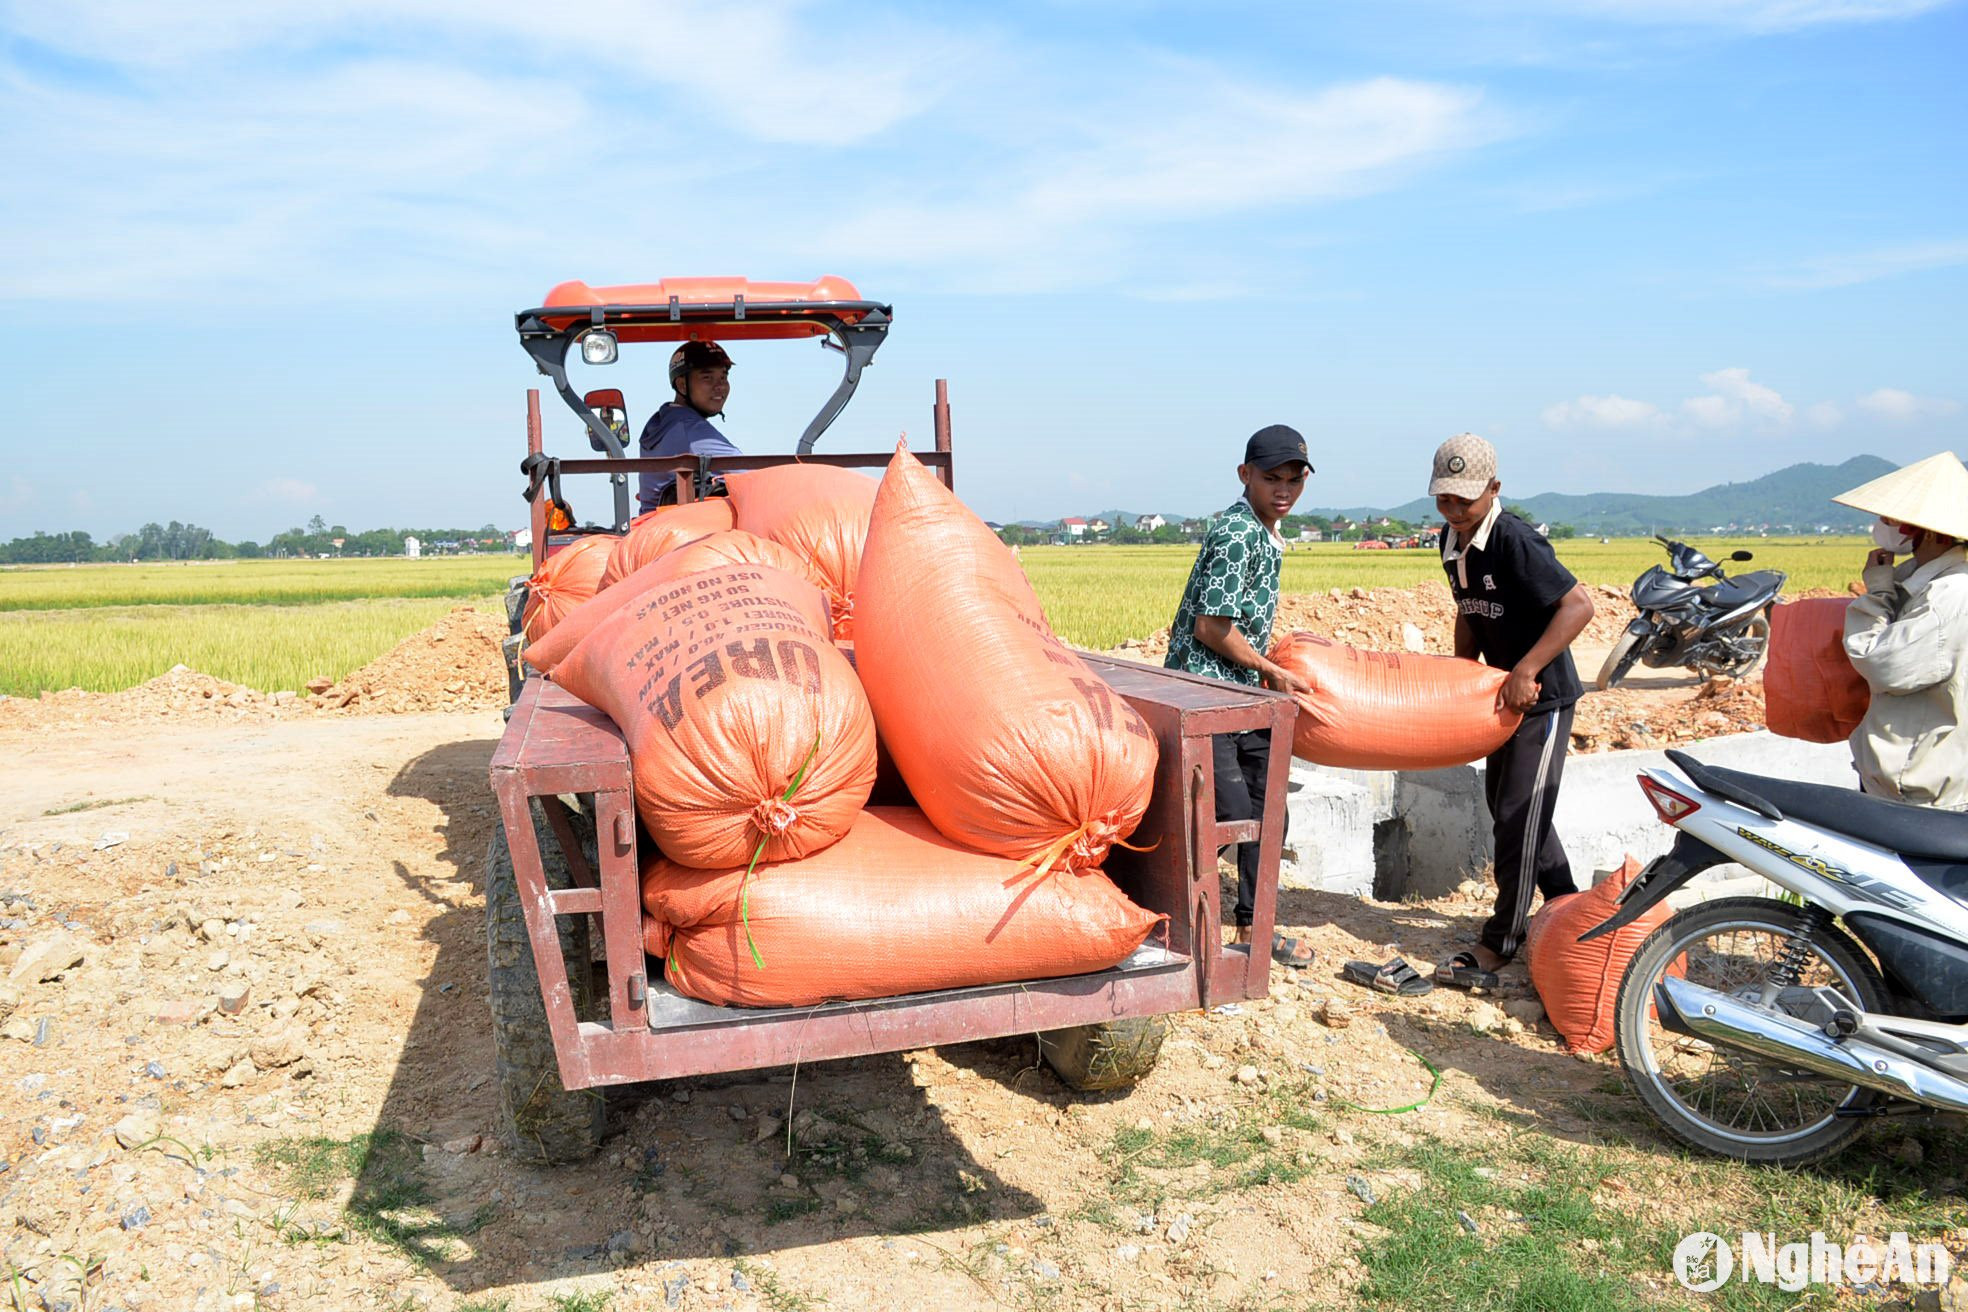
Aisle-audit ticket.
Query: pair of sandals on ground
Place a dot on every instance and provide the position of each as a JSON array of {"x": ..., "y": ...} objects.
[{"x": 1462, "y": 971}]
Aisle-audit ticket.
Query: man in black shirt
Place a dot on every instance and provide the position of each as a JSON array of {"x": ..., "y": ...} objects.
[{"x": 1517, "y": 609}]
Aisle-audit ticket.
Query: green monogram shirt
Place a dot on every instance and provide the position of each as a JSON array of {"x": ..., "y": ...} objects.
[{"x": 1235, "y": 576}]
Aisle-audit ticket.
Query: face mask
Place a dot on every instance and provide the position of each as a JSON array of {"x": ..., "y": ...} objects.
[{"x": 1892, "y": 538}]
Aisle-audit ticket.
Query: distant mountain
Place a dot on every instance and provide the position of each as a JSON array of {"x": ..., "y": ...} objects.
[{"x": 1796, "y": 499}]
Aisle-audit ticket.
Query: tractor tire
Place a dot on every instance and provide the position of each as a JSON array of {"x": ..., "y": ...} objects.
[
  {"x": 1109, "y": 1055},
  {"x": 541, "y": 1120}
]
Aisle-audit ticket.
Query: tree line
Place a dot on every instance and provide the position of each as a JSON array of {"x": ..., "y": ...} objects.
[{"x": 178, "y": 541}]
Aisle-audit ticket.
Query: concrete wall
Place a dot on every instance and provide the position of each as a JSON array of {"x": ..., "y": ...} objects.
[{"x": 1388, "y": 834}]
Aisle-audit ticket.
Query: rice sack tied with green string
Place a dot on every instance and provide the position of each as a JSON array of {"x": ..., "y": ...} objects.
[
  {"x": 750, "y": 739},
  {"x": 893, "y": 908},
  {"x": 1009, "y": 742}
]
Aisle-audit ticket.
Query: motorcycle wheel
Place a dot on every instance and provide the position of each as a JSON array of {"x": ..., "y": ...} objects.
[
  {"x": 1756, "y": 636},
  {"x": 1725, "y": 1101},
  {"x": 1619, "y": 661}
]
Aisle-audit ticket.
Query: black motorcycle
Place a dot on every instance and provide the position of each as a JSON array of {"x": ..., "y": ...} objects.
[{"x": 1720, "y": 630}]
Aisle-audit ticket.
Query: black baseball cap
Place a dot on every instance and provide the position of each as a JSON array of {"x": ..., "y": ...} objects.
[
  {"x": 1276, "y": 445},
  {"x": 696, "y": 355}
]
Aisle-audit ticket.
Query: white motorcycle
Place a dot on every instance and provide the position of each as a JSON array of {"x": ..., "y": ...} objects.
[{"x": 1773, "y": 1030}]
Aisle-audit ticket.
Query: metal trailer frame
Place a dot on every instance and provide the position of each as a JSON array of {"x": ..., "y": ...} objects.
[{"x": 556, "y": 746}]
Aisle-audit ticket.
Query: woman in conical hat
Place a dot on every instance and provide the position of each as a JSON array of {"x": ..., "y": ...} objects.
[{"x": 1908, "y": 635}]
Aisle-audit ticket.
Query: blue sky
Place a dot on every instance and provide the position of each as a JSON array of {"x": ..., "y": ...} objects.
[{"x": 262, "y": 259}]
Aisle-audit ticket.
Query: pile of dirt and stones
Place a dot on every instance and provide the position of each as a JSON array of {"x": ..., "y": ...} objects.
[
  {"x": 1421, "y": 619},
  {"x": 454, "y": 665}
]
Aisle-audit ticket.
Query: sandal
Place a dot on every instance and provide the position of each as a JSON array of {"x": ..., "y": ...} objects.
[
  {"x": 1462, "y": 972},
  {"x": 1295, "y": 953},
  {"x": 1396, "y": 976}
]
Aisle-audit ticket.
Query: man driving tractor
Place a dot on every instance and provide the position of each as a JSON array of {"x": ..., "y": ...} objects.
[{"x": 700, "y": 373}]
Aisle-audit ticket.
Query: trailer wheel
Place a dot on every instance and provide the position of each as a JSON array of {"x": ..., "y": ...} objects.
[
  {"x": 542, "y": 1121},
  {"x": 1110, "y": 1055}
]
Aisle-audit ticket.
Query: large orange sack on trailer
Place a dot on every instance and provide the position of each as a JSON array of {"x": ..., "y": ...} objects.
[
  {"x": 569, "y": 577},
  {"x": 731, "y": 547},
  {"x": 1810, "y": 689},
  {"x": 820, "y": 512},
  {"x": 748, "y": 733},
  {"x": 663, "y": 530},
  {"x": 1378, "y": 710},
  {"x": 892, "y": 908},
  {"x": 1579, "y": 982},
  {"x": 1008, "y": 741}
]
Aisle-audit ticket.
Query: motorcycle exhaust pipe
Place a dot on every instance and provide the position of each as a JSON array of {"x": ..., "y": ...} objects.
[{"x": 1727, "y": 1021}]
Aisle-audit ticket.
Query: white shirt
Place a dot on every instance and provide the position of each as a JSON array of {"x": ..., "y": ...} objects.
[{"x": 1453, "y": 547}]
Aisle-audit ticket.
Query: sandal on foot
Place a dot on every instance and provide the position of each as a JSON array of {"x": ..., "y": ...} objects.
[
  {"x": 1462, "y": 972},
  {"x": 1395, "y": 976},
  {"x": 1295, "y": 953}
]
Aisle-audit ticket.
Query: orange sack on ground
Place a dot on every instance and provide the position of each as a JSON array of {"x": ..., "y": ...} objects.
[
  {"x": 1009, "y": 742},
  {"x": 731, "y": 547},
  {"x": 569, "y": 577},
  {"x": 1579, "y": 982},
  {"x": 1379, "y": 710},
  {"x": 748, "y": 733},
  {"x": 1810, "y": 689},
  {"x": 664, "y": 530},
  {"x": 892, "y": 908},
  {"x": 818, "y": 511}
]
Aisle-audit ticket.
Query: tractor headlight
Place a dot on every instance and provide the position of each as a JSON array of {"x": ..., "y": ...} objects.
[{"x": 598, "y": 346}]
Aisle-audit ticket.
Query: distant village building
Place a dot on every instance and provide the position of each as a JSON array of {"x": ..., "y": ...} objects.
[
  {"x": 1194, "y": 528},
  {"x": 521, "y": 539},
  {"x": 1311, "y": 535},
  {"x": 412, "y": 548},
  {"x": 1099, "y": 526},
  {"x": 1074, "y": 526},
  {"x": 1149, "y": 523}
]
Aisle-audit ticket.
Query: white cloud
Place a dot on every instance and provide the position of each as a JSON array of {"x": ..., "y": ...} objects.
[
  {"x": 1737, "y": 400},
  {"x": 1892, "y": 404},
  {"x": 1601, "y": 412},
  {"x": 291, "y": 490},
  {"x": 19, "y": 494},
  {"x": 1187, "y": 144},
  {"x": 1824, "y": 414},
  {"x": 1856, "y": 267},
  {"x": 1757, "y": 16}
]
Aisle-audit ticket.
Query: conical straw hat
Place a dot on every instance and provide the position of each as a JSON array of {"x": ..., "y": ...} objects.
[{"x": 1930, "y": 493}]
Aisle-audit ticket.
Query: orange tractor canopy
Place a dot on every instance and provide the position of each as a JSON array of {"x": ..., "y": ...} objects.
[{"x": 599, "y": 319}]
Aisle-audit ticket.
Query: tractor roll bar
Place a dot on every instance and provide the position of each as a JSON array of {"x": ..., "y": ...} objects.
[{"x": 855, "y": 328}]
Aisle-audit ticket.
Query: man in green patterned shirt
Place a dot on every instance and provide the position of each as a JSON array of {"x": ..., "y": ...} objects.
[{"x": 1223, "y": 628}]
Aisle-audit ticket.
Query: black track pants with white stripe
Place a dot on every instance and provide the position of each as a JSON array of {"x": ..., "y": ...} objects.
[{"x": 1520, "y": 782}]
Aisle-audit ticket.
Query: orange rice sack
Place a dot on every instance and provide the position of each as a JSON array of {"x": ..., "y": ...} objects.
[
  {"x": 1379, "y": 710},
  {"x": 894, "y": 907},
  {"x": 1810, "y": 689},
  {"x": 663, "y": 530},
  {"x": 569, "y": 577},
  {"x": 1007, "y": 740},
  {"x": 1579, "y": 982},
  {"x": 748, "y": 733},
  {"x": 820, "y": 512},
  {"x": 731, "y": 547}
]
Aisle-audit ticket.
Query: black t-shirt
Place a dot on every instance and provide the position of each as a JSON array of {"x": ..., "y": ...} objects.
[{"x": 1515, "y": 585}]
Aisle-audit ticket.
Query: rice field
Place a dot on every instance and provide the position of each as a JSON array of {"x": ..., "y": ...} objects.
[
  {"x": 1101, "y": 596},
  {"x": 277, "y": 624},
  {"x": 103, "y": 649},
  {"x": 254, "y": 582}
]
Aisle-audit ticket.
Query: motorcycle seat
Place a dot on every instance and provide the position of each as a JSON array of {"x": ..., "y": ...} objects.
[
  {"x": 1912, "y": 831},
  {"x": 1744, "y": 588}
]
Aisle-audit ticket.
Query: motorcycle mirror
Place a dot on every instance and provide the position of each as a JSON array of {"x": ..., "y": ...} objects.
[{"x": 1741, "y": 555}]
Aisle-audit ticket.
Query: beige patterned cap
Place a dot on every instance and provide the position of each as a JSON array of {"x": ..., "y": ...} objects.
[{"x": 1464, "y": 466}]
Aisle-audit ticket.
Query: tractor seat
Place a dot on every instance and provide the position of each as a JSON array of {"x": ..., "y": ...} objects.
[
  {"x": 1915, "y": 832},
  {"x": 1731, "y": 593}
]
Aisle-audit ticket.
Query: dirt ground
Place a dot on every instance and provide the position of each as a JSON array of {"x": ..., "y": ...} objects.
[{"x": 237, "y": 936}]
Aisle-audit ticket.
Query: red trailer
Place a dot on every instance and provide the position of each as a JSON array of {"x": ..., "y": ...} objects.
[{"x": 576, "y": 1004}]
